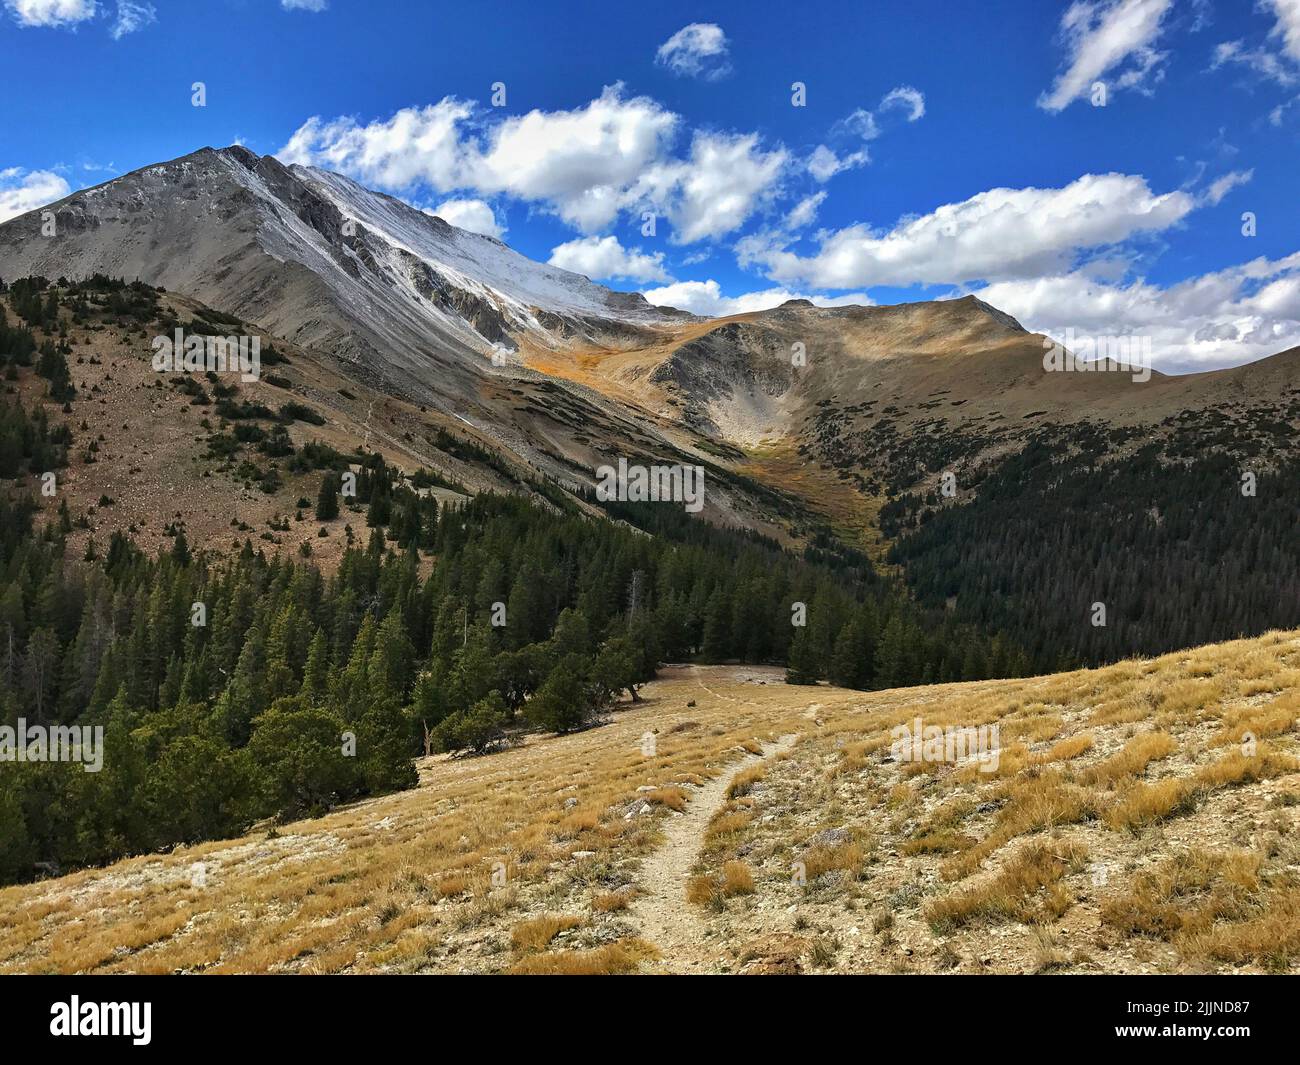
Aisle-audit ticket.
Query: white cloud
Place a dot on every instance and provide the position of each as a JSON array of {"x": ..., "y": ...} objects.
[
  {"x": 23, "y": 190},
  {"x": 474, "y": 215},
  {"x": 51, "y": 12},
  {"x": 861, "y": 126},
  {"x": 716, "y": 190},
  {"x": 582, "y": 162},
  {"x": 1266, "y": 64},
  {"x": 1288, "y": 25},
  {"x": 132, "y": 16},
  {"x": 1101, "y": 36},
  {"x": 605, "y": 258},
  {"x": 824, "y": 164},
  {"x": 706, "y": 298},
  {"x": 1280, "y": 67},
  {"x": 909, "y": 99},
  {"x": 696, "y": 51},
  {"x": 861, "y": 123},
  {"x": 588, "y": 164},
  {"x": 304, "y": 5},
  {"x": 999, "y": 234},
  {"x": 1218, "y": 319},
  {"x": 416, "y": 145},
  {"x": 1221, "y": 186},
  {"x": 804, "y": 213}
]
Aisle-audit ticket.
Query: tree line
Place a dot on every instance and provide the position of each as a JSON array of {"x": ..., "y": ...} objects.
[{"x": 228, "y": 689}]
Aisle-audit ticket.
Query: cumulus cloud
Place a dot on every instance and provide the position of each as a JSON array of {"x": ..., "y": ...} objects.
[
  {"x": 474, "y": 215},
  {"x": 604, "y": 258},
  {"x": 1217, "y": 319},
  {"x": 1102, "y": 37},
  {"x": 131, "y": 16},
  {"x": 51, "y": 12},
  {"x": 587, "y": 161},
  {"x": 588, "y": 164},
  {"x": 1000, "y": 234},
  {"x": 25, "y": 190},
  {"x": 696, "y": 51},
  {"x": 721, "y": 184},
  {"x": 304, "y": 5},
  {"x": 417, "y": 145},
  {"x": 706, "y": 298}
]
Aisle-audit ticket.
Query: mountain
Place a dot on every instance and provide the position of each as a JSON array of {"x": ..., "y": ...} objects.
[
  {"x": 418, "y": 308},
  {"x": 933, "y": 502},
  {"x": 320, "y": 261},
  {"x": 389, "y": 297},
  {"x": 931, "y": 435}
]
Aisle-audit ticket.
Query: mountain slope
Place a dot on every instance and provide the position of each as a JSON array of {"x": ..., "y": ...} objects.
[
  {"x": 839, "y": 408},
  {"x": 394, "y": 299},
  {"x": 317, "y": 259},
  {"x": 1126, "y": 829}
]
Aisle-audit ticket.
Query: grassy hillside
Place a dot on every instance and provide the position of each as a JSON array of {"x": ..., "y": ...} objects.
[{"x": 1142, "y": 817}]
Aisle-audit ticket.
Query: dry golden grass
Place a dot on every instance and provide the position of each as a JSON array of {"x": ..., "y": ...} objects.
[
  {"x": 728, "y": 823},
  {"x": 1271, "y": 936},
  {"x": 612, "y": 901},
  {"x": 673, "y": 798},
  {"x": 1186, "y": 894},
  {"x": 737, "y": 879},
  {"x": 529, "y": 937},
  {"x": 1099, "y": 771},
  {"x": 1133, "y": 764},
  {"x": 1032, "y": 803},
  {"x": 743, "y": 782},
  {"x": 613, "y": 959},
  {"x": 703, "y": 891},
  {"x": 1147, "y": 803},
  {"x": 1014, "y": 893},
  {"x": 1271, "y": 719},
  {"x": 1131, "y": 761},
  {"x": 941, "y": 841},
  {"x": 411, "y": 881},
  {"x": 847, "y": 857}
]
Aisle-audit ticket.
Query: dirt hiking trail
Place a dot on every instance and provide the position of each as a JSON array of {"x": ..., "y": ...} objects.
[{"x": 661, "y": 911}]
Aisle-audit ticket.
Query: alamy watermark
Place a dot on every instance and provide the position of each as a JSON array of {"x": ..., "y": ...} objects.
[
  {"x": 919, "y": 742},
  {"x": 200, "y": 354},
  {"x": 77, "y": 1018},
  {"x": 57, "y": 743},
  {"x": 1088, "y": 353},
  {"x": 626, "y": 483}
]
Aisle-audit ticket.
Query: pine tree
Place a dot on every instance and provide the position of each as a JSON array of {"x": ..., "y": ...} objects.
[
  {"x": 315, "y": 676},
  {"x": 717, "y": 628},
  {"x": 327, "y": 499},
  {"x": 891, "y": 655},
  {"x": 805, "y": 663},
  {"x": 181, "y": 549}
]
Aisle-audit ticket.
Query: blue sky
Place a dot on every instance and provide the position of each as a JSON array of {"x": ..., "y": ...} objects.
[{"x": 942, "y": 148}]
